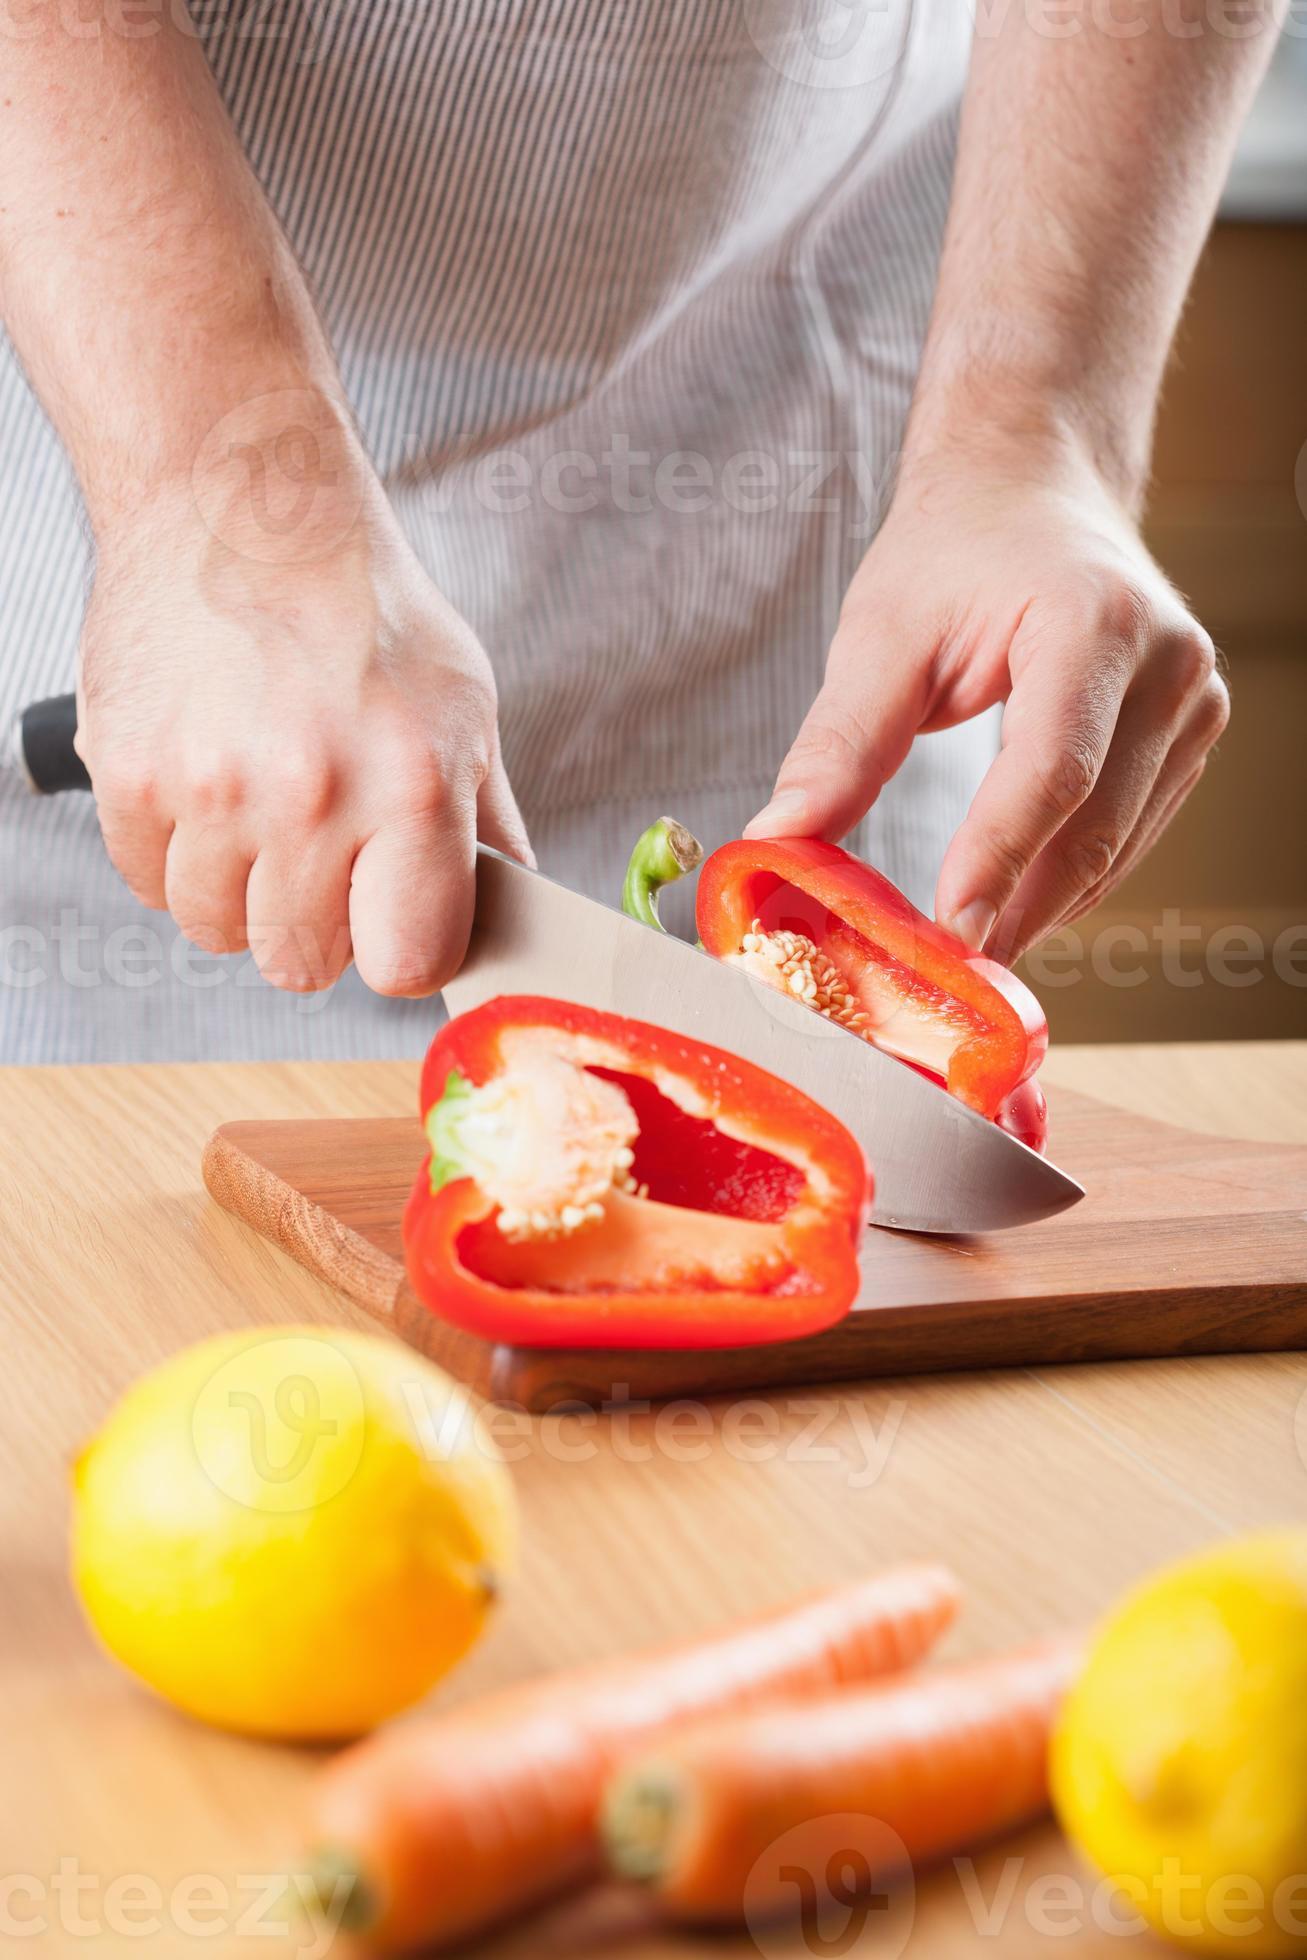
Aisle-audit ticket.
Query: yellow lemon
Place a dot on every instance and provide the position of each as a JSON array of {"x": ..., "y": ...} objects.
[
  {"x": 1180, "y": 1762},
  {"x": 291, "y": 1532}
]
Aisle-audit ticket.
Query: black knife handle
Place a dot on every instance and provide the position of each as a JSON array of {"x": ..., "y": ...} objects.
[{"x": 43, "y": 743}]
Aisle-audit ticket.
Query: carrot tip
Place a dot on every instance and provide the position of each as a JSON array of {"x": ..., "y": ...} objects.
[
  {"x": 338, "y": 1892},
  {"x": 640, "y": 1813}
]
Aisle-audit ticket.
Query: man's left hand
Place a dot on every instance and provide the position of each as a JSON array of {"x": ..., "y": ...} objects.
[{"x": 995, "y": 580}]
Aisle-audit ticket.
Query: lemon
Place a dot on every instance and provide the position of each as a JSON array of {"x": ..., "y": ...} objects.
[
  {"x": 291, "y": 1532},
  {"x": 1180, "y": 1761}
]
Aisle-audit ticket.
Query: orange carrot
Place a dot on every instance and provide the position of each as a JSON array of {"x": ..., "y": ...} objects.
[
  {"x": 439, "y": 1826},
  {"x": 751, "y": 1815}
]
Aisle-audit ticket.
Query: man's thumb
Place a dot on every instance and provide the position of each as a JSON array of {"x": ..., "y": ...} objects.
[{"x": 856, "y": 735}]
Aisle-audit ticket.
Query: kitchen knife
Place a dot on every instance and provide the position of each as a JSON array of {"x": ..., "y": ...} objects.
[
  {"x": 41, "y": 746},
  {"x": 939, "y": 1167}
]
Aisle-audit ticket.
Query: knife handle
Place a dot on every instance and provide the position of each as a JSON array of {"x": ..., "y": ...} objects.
[{"x": 43, "y": 746}]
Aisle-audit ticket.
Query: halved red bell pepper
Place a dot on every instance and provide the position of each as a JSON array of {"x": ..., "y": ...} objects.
[
  {"x": 598, "y": 1182},
  {"x": 808, "y": 918},
  {"x": 900, "y": 980}
]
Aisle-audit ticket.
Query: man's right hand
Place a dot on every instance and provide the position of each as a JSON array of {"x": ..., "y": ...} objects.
[{"x": 290, "y": 734}]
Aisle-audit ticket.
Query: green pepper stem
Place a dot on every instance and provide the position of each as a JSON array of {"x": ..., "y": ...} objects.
[
  {"x": 640, "y": 1817},
  {"x": 442, "y": 1127},
  {"x": 337, "y": 1891},
  {"x": 663, "y": 854}
]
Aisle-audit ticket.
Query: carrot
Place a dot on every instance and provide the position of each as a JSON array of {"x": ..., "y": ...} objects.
[
  {"x": 748, "y": 1815},
  {"x": 442, "y": 1825}
]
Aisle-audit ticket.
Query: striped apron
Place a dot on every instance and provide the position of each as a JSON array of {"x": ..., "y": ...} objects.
[{"x": 628, "y": 296}]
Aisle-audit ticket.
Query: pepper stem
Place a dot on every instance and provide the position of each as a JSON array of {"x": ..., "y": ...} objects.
[
  {"x": 641, "y": 1814},
  {"x": 442, "y": 1126},
  {"x": 664, "y": 853},
  {"x": 338, "y": 1892}
]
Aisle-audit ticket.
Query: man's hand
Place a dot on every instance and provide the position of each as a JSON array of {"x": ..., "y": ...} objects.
[
  {"x": 290, "y": 734},
  {"x": 1089, "y": 166},
  {"x": 1026, "y": 585}
]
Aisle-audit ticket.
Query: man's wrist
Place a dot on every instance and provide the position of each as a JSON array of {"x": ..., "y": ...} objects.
[
  {"x": 1025, "y": 418},
  {"x": 1025, "y": 391},
  {"x": 143, "y": 379},
  {"x": 262, "y": 461}
]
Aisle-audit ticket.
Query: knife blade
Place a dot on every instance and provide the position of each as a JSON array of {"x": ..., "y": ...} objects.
[{"x": 939, "y": 1166}]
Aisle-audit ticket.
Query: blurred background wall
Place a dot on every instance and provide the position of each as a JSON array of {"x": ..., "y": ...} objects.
[{"x": 1174, "y": 953}]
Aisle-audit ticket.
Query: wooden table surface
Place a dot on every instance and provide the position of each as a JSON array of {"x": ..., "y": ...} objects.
[{"x": 1048, "y": 1490}]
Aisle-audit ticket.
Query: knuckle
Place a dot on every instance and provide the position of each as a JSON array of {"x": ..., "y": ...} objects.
[
  {"x": 828, "y": 748},
  {"x": 410, "y": 770},
  {"x": 825, "y": 741},
  {"x": 424, "y": 793},
  {"x": 215, "y": 786},
  {"x": 1067, "y": 777},
  {"x": 305, "y": 786},
  {"x": 472, "y": 743},
  {"x": 1190, "y": 661},
  {"x": 1008, "y": 855},
  {"x": 1214, "y": 709},
  {"x": 1090, "y": 855},
  {"x": 422, "y": 788},
  {"x": 1124, "y": 612},
  {"x": 123, "y": 783}
]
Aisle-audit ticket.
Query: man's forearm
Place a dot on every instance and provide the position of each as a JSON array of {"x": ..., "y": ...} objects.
[
  {"x": 145, "y": 282},
  {"x": 1093, "y": 149}
]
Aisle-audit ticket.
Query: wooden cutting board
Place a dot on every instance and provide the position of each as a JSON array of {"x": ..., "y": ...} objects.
[{"x": 1185, "y": 1244}]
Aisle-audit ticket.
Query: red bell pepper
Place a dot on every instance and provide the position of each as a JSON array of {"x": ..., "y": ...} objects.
[
  {"x": 901, "y": 981},
  {"x": 597, "y": 1182},
  {"x": 808, "y": 918},
  {"x": 1024, "y": 1115}
]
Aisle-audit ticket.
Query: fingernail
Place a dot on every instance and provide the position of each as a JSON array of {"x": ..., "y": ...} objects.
[
  {"x": 787, "y": 808},
  {"x": 974, "y": 923}
]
